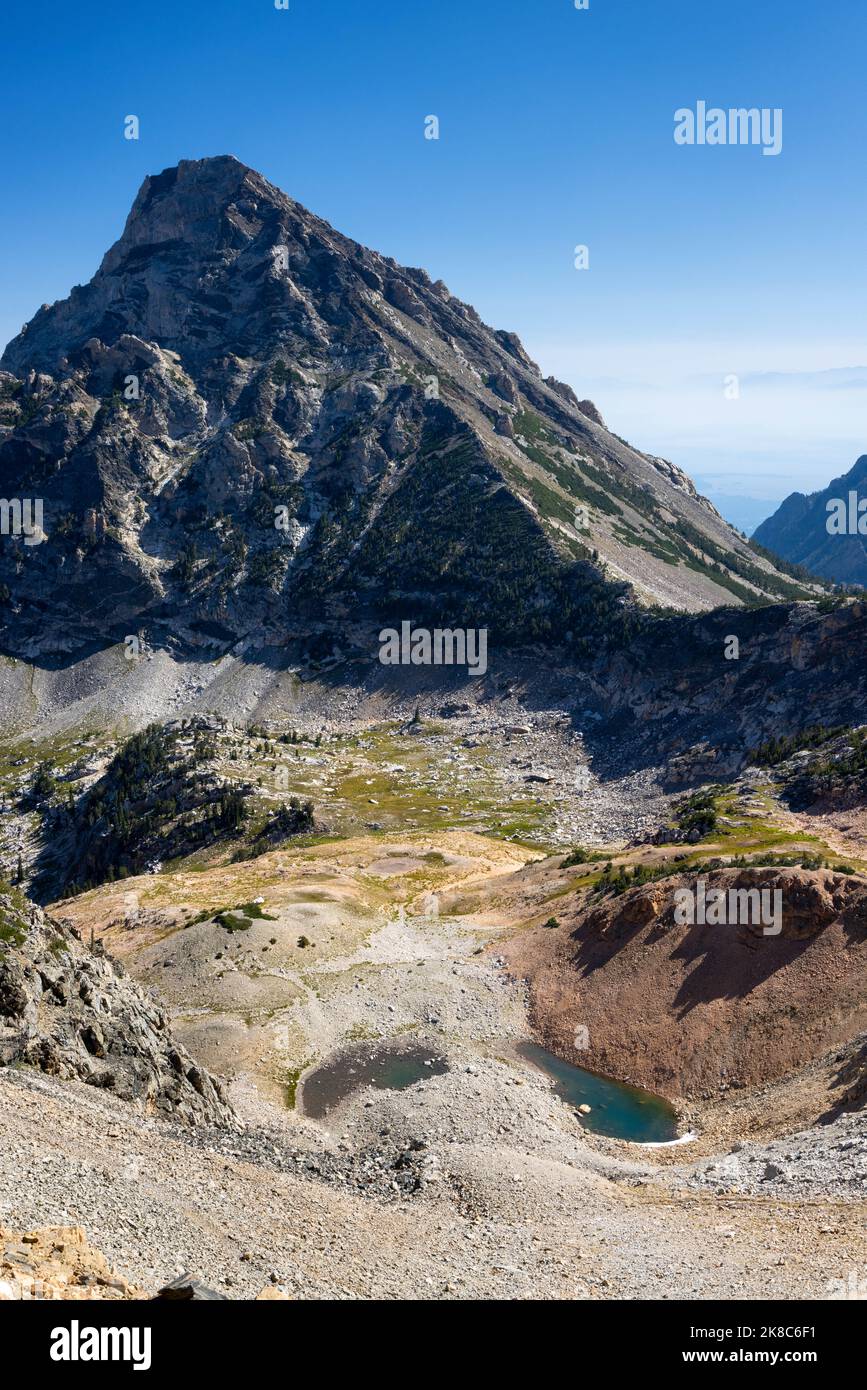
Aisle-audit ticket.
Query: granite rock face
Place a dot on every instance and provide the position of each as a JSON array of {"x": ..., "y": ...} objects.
[
  {"x": 74, "y": 1013},
  {"x": 701, "y": 694},
  {"x": 248, "y": 425}
]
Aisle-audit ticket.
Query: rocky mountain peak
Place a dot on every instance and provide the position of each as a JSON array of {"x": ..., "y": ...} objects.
[
  {"x": 230, "y": 425},
  {"x": 205, "y": 262},
  {"x": 212, "y": 207},
  {"x": 801, "y": 531}
]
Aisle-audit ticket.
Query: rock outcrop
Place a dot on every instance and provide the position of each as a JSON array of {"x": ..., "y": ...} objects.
[
  {"x": 74, "y": 1013},
  {"x": 159, "y": 798},
  {"x": 57, "y": 1263},
  {"x": 700, "y": 694}
]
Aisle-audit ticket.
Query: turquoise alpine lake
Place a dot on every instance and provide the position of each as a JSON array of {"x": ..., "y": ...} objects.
[{"x": 616, "y": 1110}]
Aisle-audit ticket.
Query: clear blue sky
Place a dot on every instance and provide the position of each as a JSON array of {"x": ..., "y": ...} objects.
[{"x": 556, "y": 129}]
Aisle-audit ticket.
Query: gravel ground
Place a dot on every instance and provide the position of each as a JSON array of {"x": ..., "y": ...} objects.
[
  {"x": 476, "y": 1219},
  {"x": 827, "y": 1161}
]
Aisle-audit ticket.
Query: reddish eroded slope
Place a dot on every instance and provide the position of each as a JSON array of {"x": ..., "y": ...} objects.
[{"x": 688, "y": 1011}]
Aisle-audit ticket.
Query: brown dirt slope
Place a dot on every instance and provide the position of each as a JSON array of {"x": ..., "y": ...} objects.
[{"x": 689, "y": 1011}]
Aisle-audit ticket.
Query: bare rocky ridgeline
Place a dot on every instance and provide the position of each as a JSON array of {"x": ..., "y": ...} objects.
[
  {"x": 235, "y": 358},
  {"x": 75, "y": 1013}
]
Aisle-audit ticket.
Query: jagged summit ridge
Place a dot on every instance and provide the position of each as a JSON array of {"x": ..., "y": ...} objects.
[{"x": 212, "y": 250}]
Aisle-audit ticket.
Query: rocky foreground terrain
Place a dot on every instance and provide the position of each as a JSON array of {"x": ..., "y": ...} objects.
[
  {"x": 530, "y": 1212},
  {"x": 56, "y": 1263},
  {"x": 478, "y": 1180}
]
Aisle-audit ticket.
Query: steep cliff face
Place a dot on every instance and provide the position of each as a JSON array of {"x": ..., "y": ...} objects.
[
  {"x": 700, "y": 694},
  {"x": 75, "y": 1014},
  {"x": 247, "y": 424},
  {"x": 820, "y": 531}
]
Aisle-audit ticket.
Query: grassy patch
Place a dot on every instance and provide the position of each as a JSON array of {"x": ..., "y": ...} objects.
[
  {"x": 231, "y": 922},
  {"x": 11, "y": 931},
  {"x": 255, "y": 910},
  {"x": 293, "y": 1076}
]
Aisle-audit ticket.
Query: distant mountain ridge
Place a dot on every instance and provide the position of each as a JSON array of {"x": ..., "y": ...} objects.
[
  {"x": 248, "y": 426},
  {"x": 805, "y": 532}
]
